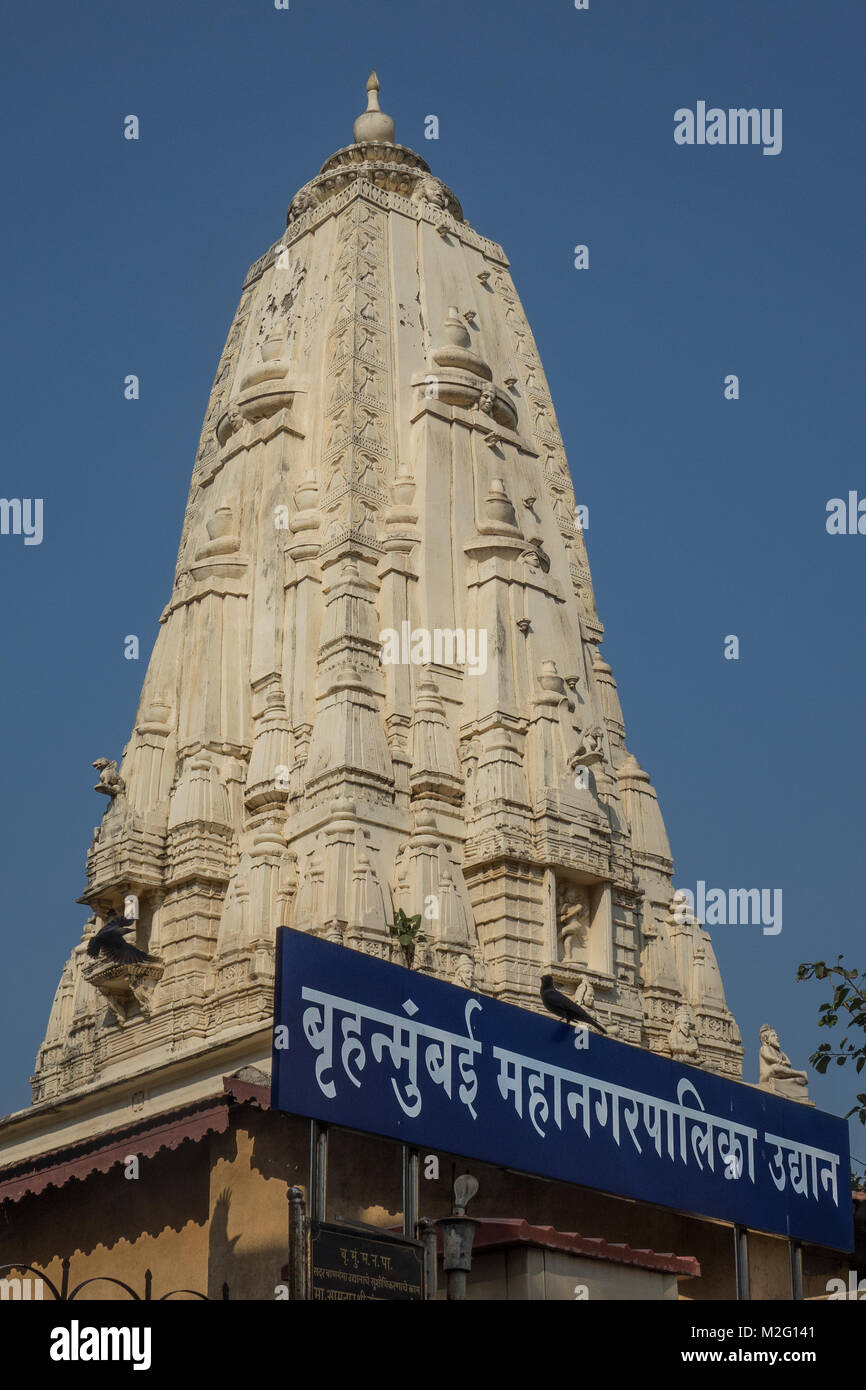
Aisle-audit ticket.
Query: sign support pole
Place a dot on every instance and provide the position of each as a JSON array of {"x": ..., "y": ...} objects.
[
  {"x": 741, "y": 1261},
  {"x": 318, "y": 1169},
  {"x": 410, "y": 1191},
  {"x": 795, "y": 1250},
  {"x": 297, "y": 1245},
  {"x": 427, "y": 1237}
]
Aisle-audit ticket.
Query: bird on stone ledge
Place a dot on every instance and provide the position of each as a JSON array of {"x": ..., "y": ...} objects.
[
  {"x": 559, "y": 1003},
  {"x": 109, "y": 941}
]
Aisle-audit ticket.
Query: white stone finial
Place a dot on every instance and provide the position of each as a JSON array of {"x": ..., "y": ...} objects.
[{"x": 373, "y": 126}]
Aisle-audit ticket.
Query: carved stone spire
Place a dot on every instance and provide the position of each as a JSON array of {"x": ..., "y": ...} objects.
[{"x": 377, "y": 682}]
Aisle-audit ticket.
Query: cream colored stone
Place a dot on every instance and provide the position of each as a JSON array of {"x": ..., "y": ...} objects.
[
  {"x": 380, "y": 452},
  {"x": 776, "y": 1073}
]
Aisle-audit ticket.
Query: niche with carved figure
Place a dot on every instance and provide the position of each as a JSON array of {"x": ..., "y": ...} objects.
[
  {"x": 583, "y": 925},
  {"x": 573, "y": 917}
]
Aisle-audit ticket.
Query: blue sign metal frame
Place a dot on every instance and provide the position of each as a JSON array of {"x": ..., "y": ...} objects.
[{"x": 372, "y": 1046}]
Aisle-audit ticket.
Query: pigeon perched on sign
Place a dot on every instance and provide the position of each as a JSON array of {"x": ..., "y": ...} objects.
[
  {"x": 109, "y": 942},
  {"x": 559, "y": 1003}
]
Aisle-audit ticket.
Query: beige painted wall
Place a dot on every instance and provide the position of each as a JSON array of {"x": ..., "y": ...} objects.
[
  {"x": 215, "y": 1211},
  {"x": 555, "y": 1275}
]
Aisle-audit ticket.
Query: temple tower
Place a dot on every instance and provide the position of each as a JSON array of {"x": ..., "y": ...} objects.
[{"x": 378, "y": 681}]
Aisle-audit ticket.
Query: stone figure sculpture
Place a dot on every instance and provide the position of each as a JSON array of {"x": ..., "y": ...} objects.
[{"x": 776, "y": 1073}]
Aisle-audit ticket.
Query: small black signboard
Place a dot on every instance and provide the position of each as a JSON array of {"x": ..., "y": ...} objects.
[{"x": 348, "y": 1266}]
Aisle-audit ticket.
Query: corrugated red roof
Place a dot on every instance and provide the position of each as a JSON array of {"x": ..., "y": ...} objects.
[
  {"x": 101, "y": 1154},
  {"x": 103, "y": 1151},
  {"x": 495, "y": 1232}
]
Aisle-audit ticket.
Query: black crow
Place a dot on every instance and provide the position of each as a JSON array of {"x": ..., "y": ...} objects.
[
  {"x": 110, "y": 942},
  {"x": 559, "y": 1003}
]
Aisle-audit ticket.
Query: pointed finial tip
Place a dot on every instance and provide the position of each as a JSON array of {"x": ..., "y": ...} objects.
[{"x": 373, "y": 125}]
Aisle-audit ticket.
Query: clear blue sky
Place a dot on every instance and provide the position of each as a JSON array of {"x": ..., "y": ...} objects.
[{"x": 707, "y": 517}]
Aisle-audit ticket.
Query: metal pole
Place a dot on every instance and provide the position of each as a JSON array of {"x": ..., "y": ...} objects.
[
  {"x": 458, "y": 1233},
  {"x": 741, "y": 1261},
  {"x": 297, "y": 1245},
  {"x": 410, "y": 1191},
  {"x": 426, "y": 1233},
  {"x": 795, "y": 1251},
  {"x": 318, "y": 1169}
]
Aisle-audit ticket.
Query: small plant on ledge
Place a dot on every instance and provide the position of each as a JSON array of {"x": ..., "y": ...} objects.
[{"x": 408, "y": 933}]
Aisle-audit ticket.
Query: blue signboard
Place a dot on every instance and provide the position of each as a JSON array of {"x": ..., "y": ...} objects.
[{"x": 371, "y": 1046}]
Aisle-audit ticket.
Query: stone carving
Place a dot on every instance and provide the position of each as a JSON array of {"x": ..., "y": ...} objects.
[
  {"x": 368, "y": 343},
  {"x": 535, "y": 555},
  {"x": 572, "y": 915},
  {"x": 366, "y": 378},
  {"x": 430, "y": 189},
  {"x": 124, "y": 986},
  {"x": 584, "y": 994},
  {"x": 776, "y": 1073},
  {"x": 302, "y": 202},
  {"x": 229, "y": 423},
  {"x": 549, "y": 678},
  {"x": 590, "y": 749},
  {"x": 110, "y": 782},
  {"x": 498, "y": 505},
  {"x": 454, "y": 348},
  {"x": 220, "y": 529},
  {"x": 587, "y": 601},
  {"x": 682, "y": 1039},
  {"x": 371, "y": 430},
  {"x": 464, "y": 972}
]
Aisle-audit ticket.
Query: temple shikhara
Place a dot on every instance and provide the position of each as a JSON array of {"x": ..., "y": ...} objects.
[
  {"x": 379, "y": 454},
  {"x": 378, "y": 685}
]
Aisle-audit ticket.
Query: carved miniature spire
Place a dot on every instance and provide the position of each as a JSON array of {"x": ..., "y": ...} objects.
[{"x": 373, "y": 126}]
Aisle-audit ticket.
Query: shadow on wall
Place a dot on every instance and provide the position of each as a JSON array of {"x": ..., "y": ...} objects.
[{"x": 105, "y": 1209}]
